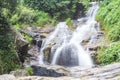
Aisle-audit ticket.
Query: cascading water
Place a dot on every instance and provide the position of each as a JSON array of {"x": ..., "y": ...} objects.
[
  {"x": 70, "y": 51},
  {"x": 59, "y": 36}
]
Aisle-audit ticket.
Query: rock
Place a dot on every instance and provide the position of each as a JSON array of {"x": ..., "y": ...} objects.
[
  {"x": 109, "y": 72},
  {"x": 59, "y": 69},
  {"x": 30, "y": 33},
  {"x": 36, "y": 42},
  {"x": 43, "y": 35},
  {"x": 94, "y": 47},
  {"x": 49, "y": 78},
  {"x": 33, "y": 52},
  {"x": 21, "y": 45},
  {"x": 7, "y": 77},
  {"x": 19, "y": 73},
  {"x": 49, "y": 72},
  {"x": 47, "y": 30},
  {"x": 32, "y": 56},
  {"x": 22, "y": 52},
  {"x": 47, "y": 52},
  {"x": 39, "y": 43},
  {"x": 43, "y": 71}
]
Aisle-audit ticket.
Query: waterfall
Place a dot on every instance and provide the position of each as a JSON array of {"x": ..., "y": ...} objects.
[
  {"x": 59, "y": 36},
  {"x": 70, "y": 51}
]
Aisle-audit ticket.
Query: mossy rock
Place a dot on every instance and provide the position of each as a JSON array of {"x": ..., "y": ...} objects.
[
  {"x": 44, "y": 35},
  {"x": 47, "y": 52}
]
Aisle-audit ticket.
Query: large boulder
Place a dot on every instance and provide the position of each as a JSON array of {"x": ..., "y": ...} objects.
[
  {"x": 21, "y": 45},
  {"x": 43, "y": 71}
]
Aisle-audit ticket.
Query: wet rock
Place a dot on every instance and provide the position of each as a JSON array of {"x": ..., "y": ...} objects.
[
  {"x": 33, "y": 54},
  {"x": 22, "y": 52},
  {"x": 94, "y": 48},
  {"x": 36, "y": 42},
  {"x": 35, "y": 47},
  {"x": 59, "y": 69},
  {"x": 43, "y": 35},
  {"x": 47, "y": 52},
  {"x": 39, "y": 43},
  {"x": 47, "y": 30},
  {"x": 30, "y": 33},
  {"x": 43, "y": 71},
  {"x": 19, "y": 73},
  {"x": 7, "y": 77}
]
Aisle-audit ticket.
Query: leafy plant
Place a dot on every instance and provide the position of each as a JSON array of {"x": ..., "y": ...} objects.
[
  {"x": 110, "y": 55},
  {"x": 29, "y": 70},
  {"x": 27, "y": 16},
  {"x": 8, "y": 57},
  {"x": 42, "y": 18},
  {"x": 114, "y": 33},
  {"x": 56, "y": 8},
  {"x": 69, "y": 23},
  {"x": 109, "y": 17}
]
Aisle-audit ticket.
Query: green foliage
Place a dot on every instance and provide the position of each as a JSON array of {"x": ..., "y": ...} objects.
[
  {"x": 56, "y": 8},
  {"x": 8, "y": 4},
  {"x": 85, "y": 2},
  {"x": 110, "y": 55},
  {"x": 8, "y": 56},
  {"x": 29, "y": 70},
  {"x": 24, "y": 16},
  {"x": 42, "y": 18},
  {"x": 105, "y": 2},
  {"x": 109, "y": 17},
  {"x": 28, "y": 38},
  {"x": 69, "y": 23},
  {"x": 114, "y": 33}
]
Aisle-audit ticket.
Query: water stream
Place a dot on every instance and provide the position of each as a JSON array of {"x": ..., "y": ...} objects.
[{"x": 69, "y": 50}]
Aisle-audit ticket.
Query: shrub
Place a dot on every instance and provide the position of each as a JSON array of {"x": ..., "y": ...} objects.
[
  {"x": 24, "y": 16},
  {"x": 109, "y": 16},
  {"x": 114, "y": 33},
  {"x": 8, "y": 57},
  {"x": 110, "y": 55},
  {"x": 56, "y": 8},
  {"x": 42, "y": 18},
  {"x": 29, "y": 70}
]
